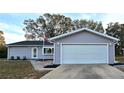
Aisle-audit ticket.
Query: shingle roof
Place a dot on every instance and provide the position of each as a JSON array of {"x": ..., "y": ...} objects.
[{"x": 29, "y": 43}]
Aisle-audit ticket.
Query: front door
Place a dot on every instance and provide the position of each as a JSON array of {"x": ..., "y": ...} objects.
[{"x": 34, "y": 52}]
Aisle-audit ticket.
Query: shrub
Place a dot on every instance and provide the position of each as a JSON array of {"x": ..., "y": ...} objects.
[
  {"x": 12, "y": 57},
  {"x": 18, "y": 58},
  {"x": 24, "y": 58},
  {"x": 3, "y": 52}
]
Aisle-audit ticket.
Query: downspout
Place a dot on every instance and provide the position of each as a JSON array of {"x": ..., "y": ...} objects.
[
  {"x": 115, "y": 42},
  {"x": 51, "y": 41}
]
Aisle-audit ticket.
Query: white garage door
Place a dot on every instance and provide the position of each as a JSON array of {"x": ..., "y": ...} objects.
[{"x": 84, "y": 53}]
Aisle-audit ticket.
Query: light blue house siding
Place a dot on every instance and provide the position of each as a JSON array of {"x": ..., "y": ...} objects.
[
  {"x": 84, "y": 37},
  {"x": 22, "y": 51}
]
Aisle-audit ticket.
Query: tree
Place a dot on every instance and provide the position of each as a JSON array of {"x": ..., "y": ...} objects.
[
  {"x": 2, "y": 39},
  {"x": 3, "y": 49},
  {"x": 88, "y": 24},
  {"x": 117, "y": 30},
  {"x": 50, "y": 25},
  {"x": 3, "y": 52},
  {"x": 55, "y": 24}
]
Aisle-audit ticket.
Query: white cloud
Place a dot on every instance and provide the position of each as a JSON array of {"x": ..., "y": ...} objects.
[
  {"x": 11, "y": 37},
  {"x": 12, "y": 33},
  {"x": 11, "y": 28},
  {"x": 1, "y": 26},
  {"x": 89, "y": 16},
  {"x": 112, "y": 18}
]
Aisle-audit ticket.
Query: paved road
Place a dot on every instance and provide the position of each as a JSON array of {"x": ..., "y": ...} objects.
[{"x": 85, "y": 72}]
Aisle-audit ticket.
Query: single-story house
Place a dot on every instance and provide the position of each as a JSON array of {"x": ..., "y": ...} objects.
[
  {"x": 31, "y": 50},
  {"x": 83, "y": 46}
]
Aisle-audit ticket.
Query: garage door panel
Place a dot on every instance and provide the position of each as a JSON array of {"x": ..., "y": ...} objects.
[
  {"x": 82, "y": 54},
  {"x": 85, "y": 61}
]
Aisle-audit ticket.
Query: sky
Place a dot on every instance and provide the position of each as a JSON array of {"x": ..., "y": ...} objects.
[{"x": 12, "y": 23}]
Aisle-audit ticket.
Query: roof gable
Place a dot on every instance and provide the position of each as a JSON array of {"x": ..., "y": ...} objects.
[{"x": 84, "y": 29}]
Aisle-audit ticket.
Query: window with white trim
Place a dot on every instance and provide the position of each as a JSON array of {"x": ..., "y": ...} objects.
[{"x": 48, "y": 50}]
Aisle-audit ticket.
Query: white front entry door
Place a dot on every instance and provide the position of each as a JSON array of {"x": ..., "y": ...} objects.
[
  {"x": 34, "y": 52},
  {"x": 84, "y": 53}
]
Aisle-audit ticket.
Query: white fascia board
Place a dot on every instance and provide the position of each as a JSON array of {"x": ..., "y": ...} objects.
[
  {"x": 105, "y": 35},
  {"x": 86, "y": 29},
  {"x": 66, "y": 34}
]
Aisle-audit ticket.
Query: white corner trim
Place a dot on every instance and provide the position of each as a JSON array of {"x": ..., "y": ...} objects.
[
  {"x": 61, "y": 53},
  {"x": 54, "y": 54},
  {"x": 114, "y": 52},
  {"x": 107, "y": 53}
]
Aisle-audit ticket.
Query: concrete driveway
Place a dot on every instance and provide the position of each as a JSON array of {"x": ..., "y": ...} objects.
[{"x": 85, "y": 72}]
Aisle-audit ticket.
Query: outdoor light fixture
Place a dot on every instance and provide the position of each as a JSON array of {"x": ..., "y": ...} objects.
[{"x": 57, "y": 43}]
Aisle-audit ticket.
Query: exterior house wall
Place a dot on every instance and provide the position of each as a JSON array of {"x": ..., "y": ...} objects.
[
  {"x": 41, "y": 55},
  {"x": 84, "y": 37},
  {"x": 22, "y": 51}
]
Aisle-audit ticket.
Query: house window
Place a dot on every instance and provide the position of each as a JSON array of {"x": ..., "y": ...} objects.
[{"x": 48, "y": 50}]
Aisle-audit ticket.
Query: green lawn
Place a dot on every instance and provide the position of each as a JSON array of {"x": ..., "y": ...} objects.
[
  {"x": 18, "y": 70},
  {"x": 120, "y": 59}
]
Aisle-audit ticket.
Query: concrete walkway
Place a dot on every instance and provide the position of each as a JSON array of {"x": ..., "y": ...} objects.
[
  {"x": 85, "y": 72},
  {"x": 39, "y": 65}
]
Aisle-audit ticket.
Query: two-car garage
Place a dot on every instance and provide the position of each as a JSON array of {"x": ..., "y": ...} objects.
[
  {"x": 84, "y": 53},
  {"x": 84, "y": 46}
]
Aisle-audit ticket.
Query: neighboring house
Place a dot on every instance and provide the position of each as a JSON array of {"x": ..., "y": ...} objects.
[
  {"x": 31, "y": 50},
  {"x": 84, "y": 46}
]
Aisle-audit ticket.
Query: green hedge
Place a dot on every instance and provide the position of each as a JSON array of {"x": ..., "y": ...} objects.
[{"x": 3, "y": 52}]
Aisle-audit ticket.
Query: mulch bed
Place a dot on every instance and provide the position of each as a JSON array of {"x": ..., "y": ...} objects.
[
  {"x": 115, "y": 64},
  {"x": 52, "y": 66}
]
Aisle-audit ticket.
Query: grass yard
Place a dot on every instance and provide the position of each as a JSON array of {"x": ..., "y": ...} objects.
[
  {"x": 120, "y": 68},
  {"x": 120, "y": 59},
  {"x": 14, "y": 69}
]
